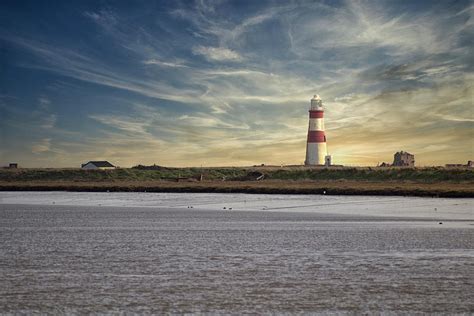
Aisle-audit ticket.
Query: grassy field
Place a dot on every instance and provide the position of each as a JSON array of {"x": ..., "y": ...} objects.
[
  {"x": 295, "y": 180},
  {"x": 425, "y": 175}
]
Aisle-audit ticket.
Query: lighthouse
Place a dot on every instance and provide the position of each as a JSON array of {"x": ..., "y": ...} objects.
[{"x": 316, "y": 150}]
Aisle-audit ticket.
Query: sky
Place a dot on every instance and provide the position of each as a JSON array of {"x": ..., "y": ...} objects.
[{"x": 229, "y": 83}]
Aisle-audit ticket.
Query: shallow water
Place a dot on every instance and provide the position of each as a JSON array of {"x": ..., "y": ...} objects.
[{"x": 269, "y": 254}]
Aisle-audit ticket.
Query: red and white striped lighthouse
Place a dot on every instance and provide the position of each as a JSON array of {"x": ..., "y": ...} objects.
[{"x": 316, "y": 150}]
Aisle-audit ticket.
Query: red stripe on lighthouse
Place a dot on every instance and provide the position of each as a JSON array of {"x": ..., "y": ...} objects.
[
  {"x": 316, "y": 114},
  {"x": 316, "y": 137}
]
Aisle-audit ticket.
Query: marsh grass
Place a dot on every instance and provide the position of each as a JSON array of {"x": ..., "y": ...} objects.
[
  {"x": 287, "y": 180},
  {"x": 426, "y": 175}
]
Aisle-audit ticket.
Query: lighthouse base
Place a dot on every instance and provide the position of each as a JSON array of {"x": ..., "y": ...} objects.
[{"x": 315, "y": 154}]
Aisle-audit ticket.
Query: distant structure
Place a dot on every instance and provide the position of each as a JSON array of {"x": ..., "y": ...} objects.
[
  {"x": 13, "y": 165},
  {"x": 403, "y": 159},
  {"x": 316, "y": 150},
  {"x": 327, "y": 160},
  {"x": 470, "y": 164},
  {"x": 94, "y": 165}
]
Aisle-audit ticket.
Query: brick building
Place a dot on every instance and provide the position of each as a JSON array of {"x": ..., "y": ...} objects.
[{"x": 403, "y": 159}]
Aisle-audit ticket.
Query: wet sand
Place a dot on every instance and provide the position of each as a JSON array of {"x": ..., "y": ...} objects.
[{"x": 66, "y": 252}]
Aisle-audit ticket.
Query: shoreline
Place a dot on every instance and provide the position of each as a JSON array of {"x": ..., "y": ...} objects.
[{"x": 338, "y": 187}]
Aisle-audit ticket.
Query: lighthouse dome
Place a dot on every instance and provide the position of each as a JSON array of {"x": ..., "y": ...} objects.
[{"x": 316, "y": 103}]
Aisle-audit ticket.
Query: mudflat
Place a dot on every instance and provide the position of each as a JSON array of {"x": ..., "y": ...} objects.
[{"x": 80, "y": 252}]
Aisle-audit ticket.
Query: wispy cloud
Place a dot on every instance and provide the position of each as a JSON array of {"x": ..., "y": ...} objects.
[
  {"x": 43, "y": 146},
  {"x": 217, "y": 53},
  {"x": 175, "y": 64},
  {"x": 44, "y": 100},
  {"x": 104, "y": 18},
  {"x": 81, "y": 67}
]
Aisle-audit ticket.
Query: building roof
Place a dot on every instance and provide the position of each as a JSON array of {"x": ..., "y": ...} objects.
[
  {"x": 403, "y": 153},
  {"x": 101, "y": 164}
]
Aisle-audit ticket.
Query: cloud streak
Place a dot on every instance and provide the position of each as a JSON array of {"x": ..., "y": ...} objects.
[{"x": 217, "y": 53}]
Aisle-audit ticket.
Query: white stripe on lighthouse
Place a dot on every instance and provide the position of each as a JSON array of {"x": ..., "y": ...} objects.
[{"x": 316, "y": 124}]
